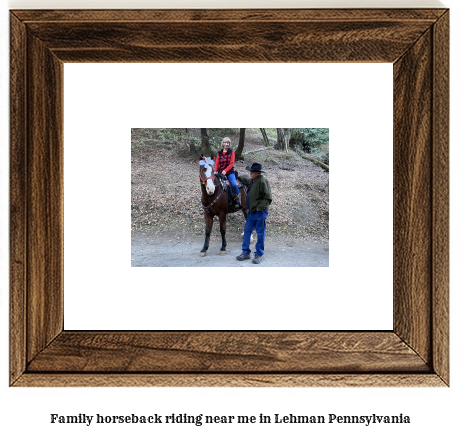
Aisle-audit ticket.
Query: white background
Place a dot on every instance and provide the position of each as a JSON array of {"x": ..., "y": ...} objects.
[
  {"x": 102, "y": 103},
  {"x": 431, "y": 410}
]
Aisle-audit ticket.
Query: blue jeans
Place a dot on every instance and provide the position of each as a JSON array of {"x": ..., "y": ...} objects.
[
  {"x": 255, "y": 221},
  {"x": 233, "y": 182}
]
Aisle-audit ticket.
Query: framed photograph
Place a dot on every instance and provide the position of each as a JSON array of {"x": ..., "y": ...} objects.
[{"x": 414, "y": 353}]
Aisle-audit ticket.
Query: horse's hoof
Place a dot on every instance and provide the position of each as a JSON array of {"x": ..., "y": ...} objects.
[
  {"x": 222, "y": 252},
  {"x": 202, "y": 254}
]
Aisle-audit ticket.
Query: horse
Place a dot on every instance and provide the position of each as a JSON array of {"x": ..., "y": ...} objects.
[{"x": 214, "y": 202}]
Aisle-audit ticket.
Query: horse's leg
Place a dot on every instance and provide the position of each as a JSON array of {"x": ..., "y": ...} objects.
[
  {"x": 244, "y": 210},
  {"x": 222, "y": 228},
  {"x": 208, "y": 227},
  {"x": 244, "y": 205},
  {"x": 245, "y": 213},
  {"x": 243, "y": 201}
]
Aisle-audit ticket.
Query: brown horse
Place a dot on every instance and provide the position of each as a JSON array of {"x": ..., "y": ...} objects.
[{"x": 214, "y": 203}]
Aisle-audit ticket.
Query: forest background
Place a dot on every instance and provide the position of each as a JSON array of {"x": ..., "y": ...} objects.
[{"x": 165, "y": 189}]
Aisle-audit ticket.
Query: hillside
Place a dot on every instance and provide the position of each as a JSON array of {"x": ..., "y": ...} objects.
[{"x": 166, "y": 196}]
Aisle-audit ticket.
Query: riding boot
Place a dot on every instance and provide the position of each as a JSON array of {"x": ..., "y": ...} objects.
[{"x": 238, "y": 206}]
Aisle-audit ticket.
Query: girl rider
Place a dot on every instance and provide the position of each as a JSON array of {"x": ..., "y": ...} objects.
[{"x": 225, "y": 165}]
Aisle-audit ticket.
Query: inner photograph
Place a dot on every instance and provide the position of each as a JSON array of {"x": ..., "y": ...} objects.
[{"x": 237, "y": 197}]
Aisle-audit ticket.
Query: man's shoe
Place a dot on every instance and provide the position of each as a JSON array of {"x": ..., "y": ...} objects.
[
  {"x": 243, "y": 256},
  {"x": 257, "y": 259}
]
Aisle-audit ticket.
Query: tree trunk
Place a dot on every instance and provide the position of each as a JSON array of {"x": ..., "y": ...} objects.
[
  {"x": 283, "y": 139},
  {"x": 266, "y": 139},
  {"x": 205, "y": 148},
  {"x": 279, "y": 144},
  {"x": 238, "y": 153},
  {"x": 286, "y": 139}
]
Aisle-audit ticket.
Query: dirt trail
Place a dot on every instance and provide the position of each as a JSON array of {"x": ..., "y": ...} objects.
[
  {"x": 172, "y": 250},
  {"x": 167, "y": 219}
]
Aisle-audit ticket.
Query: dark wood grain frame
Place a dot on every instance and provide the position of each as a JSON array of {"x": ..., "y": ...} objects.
[{"x": 414, "y": 353}]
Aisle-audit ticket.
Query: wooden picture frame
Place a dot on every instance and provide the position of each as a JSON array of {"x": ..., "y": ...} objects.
[{"x": 414, "y": 353}]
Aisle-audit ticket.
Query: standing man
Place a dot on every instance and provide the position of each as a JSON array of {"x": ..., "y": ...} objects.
[{"x": 259, "y": 197}]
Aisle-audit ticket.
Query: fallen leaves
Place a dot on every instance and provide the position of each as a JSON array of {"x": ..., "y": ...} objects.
[{"x": 168, "y": 198}]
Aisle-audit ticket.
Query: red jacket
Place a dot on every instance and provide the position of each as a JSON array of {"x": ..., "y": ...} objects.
[{"x": 225, "y": 161}]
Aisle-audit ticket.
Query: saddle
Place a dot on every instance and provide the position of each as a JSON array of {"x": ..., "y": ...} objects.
[{"x": 242, "y": 182}]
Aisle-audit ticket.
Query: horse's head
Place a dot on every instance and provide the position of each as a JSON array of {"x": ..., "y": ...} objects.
[{"x": 207, "y": 174}]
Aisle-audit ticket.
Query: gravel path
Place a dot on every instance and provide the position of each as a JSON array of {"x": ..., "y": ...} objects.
[{"x": 163, "y": 250}]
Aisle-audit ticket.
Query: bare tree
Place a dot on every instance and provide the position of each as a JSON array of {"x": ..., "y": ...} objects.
[
  {"x": 286, "y": 138},
  {"x": 283, "y": 139},
  {"x": 266, "y": 139},
  {"x": 278, "y": 144},
  {"x": 205, "y": 148},
  {"x": 239, "y": 151}
]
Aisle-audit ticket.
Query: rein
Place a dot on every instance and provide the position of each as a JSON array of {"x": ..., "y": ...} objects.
[{"x": 217, "y": 198}]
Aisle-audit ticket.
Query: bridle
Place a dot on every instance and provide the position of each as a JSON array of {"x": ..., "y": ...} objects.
[
  {"x": 212, "y": 177},
  {"x": 203, "y": 182}
]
